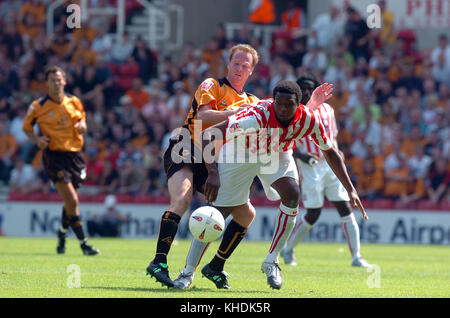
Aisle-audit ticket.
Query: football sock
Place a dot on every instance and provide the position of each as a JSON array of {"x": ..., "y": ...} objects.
[
  {"x": 77, "y": 227},
  {"x": 283, "y": 227},
  {"x": 301, "y": 229},
  {"x": 233, "y": 235},
  {"x": 195, "y": 255},
  {"x": 351, "y": 232},
  {"x": 167, "y": 230},
  {"x": 65, "y": 221}
]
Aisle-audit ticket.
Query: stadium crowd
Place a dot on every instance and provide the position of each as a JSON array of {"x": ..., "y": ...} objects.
[{"x": 392, "y": 101}]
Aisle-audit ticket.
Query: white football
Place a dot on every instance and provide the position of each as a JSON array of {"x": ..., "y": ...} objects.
[{"x": 206, "y": 224}]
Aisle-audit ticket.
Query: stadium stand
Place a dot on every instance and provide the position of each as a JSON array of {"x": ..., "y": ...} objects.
[{"x": 386, "y": 105}]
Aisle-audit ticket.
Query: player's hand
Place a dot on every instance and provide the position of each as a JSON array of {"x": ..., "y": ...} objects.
[
  {"x": 212, "y": 186},
  {"x": 42, "y": 142},
  {"x": 81, "y": 127},
  {"x": 320, "y": 95},
  {"x": 356, "y": 202},
  {"x": 310, "y": 159}
]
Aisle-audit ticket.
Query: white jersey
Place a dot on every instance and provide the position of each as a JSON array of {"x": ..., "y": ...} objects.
[
  {"x": 326, "y": 114},
  {"x": 261, "y": 118}
]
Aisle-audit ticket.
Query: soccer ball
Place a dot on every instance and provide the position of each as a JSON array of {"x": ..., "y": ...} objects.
[{"x": 206, "y": 224}]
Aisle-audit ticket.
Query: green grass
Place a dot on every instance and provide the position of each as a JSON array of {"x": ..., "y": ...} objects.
[{"x": 30, "y": 267}]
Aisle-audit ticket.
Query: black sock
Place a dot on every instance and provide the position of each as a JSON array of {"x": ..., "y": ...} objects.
[
  {"x": 77, "y": 227},
  {"x": 167, "y": 231},
  {"x": 233, "y": 235},
  {"x": 65, "y": 220}
]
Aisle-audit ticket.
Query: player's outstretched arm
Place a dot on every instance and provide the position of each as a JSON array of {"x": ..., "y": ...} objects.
[{"x": 336, "y": 163}]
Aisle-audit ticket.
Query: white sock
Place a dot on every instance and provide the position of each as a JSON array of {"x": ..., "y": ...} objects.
[
  {"x": 283, "y": 227},
  {"x": 351, "y": 232},
  {"x": 194, "y": 256},
  {"x": 301, "y": 229}
]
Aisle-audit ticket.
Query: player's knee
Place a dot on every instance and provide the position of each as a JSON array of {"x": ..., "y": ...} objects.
[
  {"x": 71, "y": 203},
  {"x": 291, "y": 196},
  {"x": 251, "y": 211},
  {"x": 312, "y": 215},
  {"x": 183, "y": 202},
  {"x": 343, "y": 208}
]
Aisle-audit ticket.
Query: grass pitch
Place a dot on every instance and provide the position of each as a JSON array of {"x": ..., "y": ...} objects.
[{"x": 30, "y": 268}]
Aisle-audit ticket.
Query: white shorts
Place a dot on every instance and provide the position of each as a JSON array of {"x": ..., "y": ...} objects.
[
  {"x": 319, "y": 181},
  {"x": 237, "y": 178}
]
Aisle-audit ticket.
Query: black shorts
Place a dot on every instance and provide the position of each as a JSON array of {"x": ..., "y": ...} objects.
[
  {"x": 65, "y": 166},
  {"x": 176, "y": 159}
]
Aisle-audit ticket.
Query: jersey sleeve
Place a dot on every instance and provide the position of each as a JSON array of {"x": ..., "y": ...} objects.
[
  {"x": 207, "y": 93},
  {"x": 245, "y": 122},
  {"x": 30, "y": 118},
  {"x": 319, "y": 136},
  {"x": 80, "y": 108}
]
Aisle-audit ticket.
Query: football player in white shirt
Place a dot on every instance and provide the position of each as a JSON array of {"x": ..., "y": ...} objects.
[
  {"x": 285, "y": 117},
  {"x": 319, "y": 181}
]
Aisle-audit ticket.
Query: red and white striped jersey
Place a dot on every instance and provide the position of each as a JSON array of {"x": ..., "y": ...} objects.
[
  {"x": 326, "y": 114},
  {"x": 260, "y": 119}
]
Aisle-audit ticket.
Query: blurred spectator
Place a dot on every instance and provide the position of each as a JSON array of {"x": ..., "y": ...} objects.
[
  {"x": 108, "y": 224},
  {"x": 439, "y": 180},
  {"x": 440, "y": 58},
  {"x": 212, "y": 54},
  {"x": 419, "y": 163},
  {"x": 122, "y": 48},
  {"x": 293, "y": 18},
  {"x": 180, "y": 100},
  {"x": 261, "y": 11},
  {"x": 337, "y": 72},
  {"x": 367, "y": 106},
  {"x": 138, "y": 95},
  {"x": 102, "y": 42},
  {"x": 385, "y": 38},
  {"x": 8, "y": 149},
  {"x": 370, "y": 182},
  {"x": 357, "y": 34},
  {"x": 22, "y": 178},
  {"x": 315, "y": 60},
  {"x": 131, "y": 178},
  {"x": 108, "y": 180},
  {"x": 15, "y": 129},
  {"x": 325, "y": 29},
  {"x": 146, "y": 59},
  {"x": 280, "y": 70}
]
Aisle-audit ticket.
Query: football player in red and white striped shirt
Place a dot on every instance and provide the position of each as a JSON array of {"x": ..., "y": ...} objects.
[
  {"x": 319, "y": 181},
  {"x": 286, "y": 118}
]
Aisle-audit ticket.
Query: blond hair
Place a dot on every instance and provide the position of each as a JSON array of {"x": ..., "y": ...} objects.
[{"x": 245, "y": 48}]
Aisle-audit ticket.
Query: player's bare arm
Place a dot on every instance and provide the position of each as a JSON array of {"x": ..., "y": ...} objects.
[
  {"x": 320, "y": 95},
  {"x": 336, "y": 164},
  {"x": 40, "y": 141},
  {"x": 210, "y": 116}
]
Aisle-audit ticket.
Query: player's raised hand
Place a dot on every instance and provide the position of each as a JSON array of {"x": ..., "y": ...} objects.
[{"x": 320, "y": 95}]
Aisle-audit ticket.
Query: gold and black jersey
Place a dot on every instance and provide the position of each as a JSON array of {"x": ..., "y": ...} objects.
[
  {"x": 56, "y": 121},
  {"x": 220, "y": 95}
]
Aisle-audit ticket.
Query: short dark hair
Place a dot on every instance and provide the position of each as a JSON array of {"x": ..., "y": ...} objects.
[
  {"x": 308, "y": 77},
  {"x": 54, "y": 69},
  {"x": 289, "y": 87}
]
